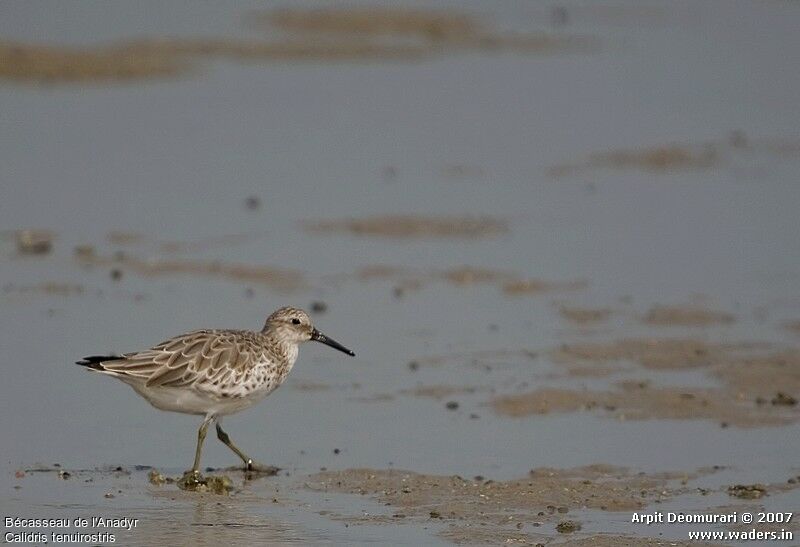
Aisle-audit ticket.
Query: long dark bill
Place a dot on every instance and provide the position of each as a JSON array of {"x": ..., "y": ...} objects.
[{"x": 319, "y": 337}]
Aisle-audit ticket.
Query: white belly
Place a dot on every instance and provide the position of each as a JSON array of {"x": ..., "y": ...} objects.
[{"x": 192, "y": 401}]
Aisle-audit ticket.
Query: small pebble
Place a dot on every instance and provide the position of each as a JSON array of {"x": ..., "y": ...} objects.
[
  {"x": 567, "y": 527},
  {"x": 252, "y": 203},
  {"x": 452, "y": 405},
  {"x": 34, "y": 242},
  {"x": 319, "y": 307},
  {"x": 747, "y": 491},
  {"x": 84, "y": 251},
  {"x": 783, "y": 399}
]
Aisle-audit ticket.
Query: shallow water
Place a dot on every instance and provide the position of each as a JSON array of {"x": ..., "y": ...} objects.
[{"x": 175, "y": 160}]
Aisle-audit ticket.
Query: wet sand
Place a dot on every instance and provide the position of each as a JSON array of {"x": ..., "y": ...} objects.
[
  {"x": 408, "y": 226},
  {"x": 322, "y": 35}
]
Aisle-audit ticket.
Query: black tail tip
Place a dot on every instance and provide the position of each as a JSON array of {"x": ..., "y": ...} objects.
[{"x": 96, "y": 361}]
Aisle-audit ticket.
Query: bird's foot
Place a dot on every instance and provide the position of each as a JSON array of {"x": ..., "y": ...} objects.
[
  {"x": 253, "y": 470},
  {"x": 191, "y": 480}
]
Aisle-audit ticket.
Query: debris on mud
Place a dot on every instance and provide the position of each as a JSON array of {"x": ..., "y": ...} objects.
[
  {"x": 252, "y": 203},
  {"x": 84, "y": 251},
  {"x": 489, "y": 512},
  {"x": 34, "y": 242},
  {"x": 583, "y": 316},
  {"x": 686, "y": 316},
  {"x": 567, "y": 526},
  {"x": 748, "y": 491},
  {"x": 157, "y": 478},
  {"x": 214, "y": 484},
  {"x": 520, "y": 287},
  {"x": 675, "y": 157},
  {"x": 782, "y": 398}
]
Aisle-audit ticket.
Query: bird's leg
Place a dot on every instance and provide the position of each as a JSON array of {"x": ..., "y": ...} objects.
[
  {"x": 191, "y": 480},
  {"x": 201, "y": 436},
  {"x": 222, "y": 436},
  {"x": 250, "y": 467}
]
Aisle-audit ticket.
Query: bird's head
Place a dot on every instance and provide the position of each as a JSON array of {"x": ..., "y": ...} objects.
[{"x": 293, "y": 325}]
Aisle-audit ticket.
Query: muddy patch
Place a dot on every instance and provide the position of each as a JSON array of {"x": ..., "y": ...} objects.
[
  {"x": 793, "y": 327},
  {"x": 686, "y": 316},
  {"x": 640, "y": 401},
  {"x": 405, "y": 280},
  {"x": 120, "y": 238},
  {"x": 748, "y": 370},
  {"x": 772, "y": 378},
  {"x": 341, "y": 34},
  {"x": 651, "y": 353},
  {"x": 275, "y": 278},
  {"x": 490, "y": 511},
  {"x": 372, "y": 21},
  {"x": 47, "y": 288},
  {"x": 756, "y": 387},
  {"x": 34, "y": 242},
  {"x": 677, "y": 157},
  {"x": 131, "y": 239},
  {"x": 659, "y": 159},
  {"x": 584, "y": 316},
  {"x": 173, "y": 57},
  {"x": 479, "y": 359},
  {"x": 118, "y": 62},
  {"x": 522, "y": 287},
  {"x": 440, "y": 392},
  {"x": 440, "y": 31},
  {"x": 414, "y": 227}
]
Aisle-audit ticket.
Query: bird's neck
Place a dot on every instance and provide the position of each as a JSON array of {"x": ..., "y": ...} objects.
[{"x": 284, "y": 350}]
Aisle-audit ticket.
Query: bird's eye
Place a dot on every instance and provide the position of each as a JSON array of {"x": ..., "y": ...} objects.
[{"x": 295, "y": 321}]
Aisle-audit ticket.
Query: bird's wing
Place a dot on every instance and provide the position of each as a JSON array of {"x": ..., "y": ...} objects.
[{"x": 205, "y": 356}]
